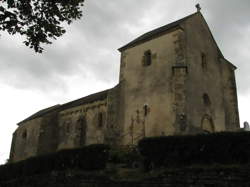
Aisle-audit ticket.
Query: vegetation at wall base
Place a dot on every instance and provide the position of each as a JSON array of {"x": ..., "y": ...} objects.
[
  {"x": 92, "y": 157},
  {"x": 201, "y": 151},
  {"x": 180, "y": 151},
  {"x": 127, "y": 155}
]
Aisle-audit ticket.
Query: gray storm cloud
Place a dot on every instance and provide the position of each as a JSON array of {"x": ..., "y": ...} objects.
[
  {"x": 230, "y": 23},
  {"x": 90, "y": 46},
  {"x": 87, "y": 54}
]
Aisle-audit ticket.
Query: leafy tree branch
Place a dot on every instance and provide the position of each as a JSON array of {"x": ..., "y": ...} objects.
[{"x": 39, "y": 21}]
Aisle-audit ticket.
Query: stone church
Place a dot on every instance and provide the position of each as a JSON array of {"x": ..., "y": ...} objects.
[{"x": 174, "y": 80}]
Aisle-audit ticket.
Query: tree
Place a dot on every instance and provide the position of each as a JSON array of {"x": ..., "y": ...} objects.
[{"x": 38, "y": 20}]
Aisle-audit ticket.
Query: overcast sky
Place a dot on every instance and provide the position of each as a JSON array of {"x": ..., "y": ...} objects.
[{"x": 85, "y": 60}]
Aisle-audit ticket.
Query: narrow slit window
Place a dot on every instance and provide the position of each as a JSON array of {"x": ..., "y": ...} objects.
[
  {"x": 147, "y": 58},
  {"x": 203, "y": 61},
  {"x": 145, "y": 110},
  {"x": 206, "y": 100},
  {"x": 100, "y": 119},
  {"x": 67, "y": 127}
]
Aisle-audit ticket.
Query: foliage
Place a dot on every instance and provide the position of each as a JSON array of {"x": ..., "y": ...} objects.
[
  {"x": 175, "y": 151},
  {"x": 127, "y": 155},
  {"x": 38, "y": 20},
  {"x": 92, "y": 157}
]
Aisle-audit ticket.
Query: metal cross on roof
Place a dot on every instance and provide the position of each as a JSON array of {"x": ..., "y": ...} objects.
[{"x": 198, "y": 7}]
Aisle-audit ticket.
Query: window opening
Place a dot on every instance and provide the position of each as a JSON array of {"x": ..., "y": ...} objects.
[
  {"x": 100, "y": 119},
  {"x": 24, "y": 134},
  {"x": 203, "y": 61},
  {"x": 67, "y": 126},
  {"x": 147, "y": 58},
  {"x": 146, "y": 110},
  {"x": 206, "y": 100}
]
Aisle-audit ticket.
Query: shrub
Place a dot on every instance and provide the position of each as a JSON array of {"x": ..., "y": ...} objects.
[
  {"x": 92, "y": 157},
  {"x": 127, "y": 155},
  {"x": 217, "y": 148}
]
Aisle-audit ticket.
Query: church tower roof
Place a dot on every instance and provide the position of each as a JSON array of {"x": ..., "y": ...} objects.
[{"x": 156, "y": 32}]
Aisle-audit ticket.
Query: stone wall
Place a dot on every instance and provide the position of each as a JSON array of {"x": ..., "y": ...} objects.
[
  {"x": 26, "y": 140},
  {"x": 63, "y": 128},
  {"x": 147, "y": 88},
  {"x": 184, "y": 87},
  {"x": 180, "y": 75},
  {"x": 194, "y": 177},
  {"x": 113, "y": 133},
  {"x": 230, "y": 96},
  {"x": 206, "y": 109},
  {"x": 48, "y": 136},
  {"x": 82, "y": 125}
]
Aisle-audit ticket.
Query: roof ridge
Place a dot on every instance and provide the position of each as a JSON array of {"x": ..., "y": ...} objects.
[
  {"x": 148, "y": 35},
  {"x": 41, "y": 113},
  {"x": 86, "y": 99}
]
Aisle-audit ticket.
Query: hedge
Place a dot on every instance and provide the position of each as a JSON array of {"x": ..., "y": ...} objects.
[
  {"x": 127, "y": 155},
  {"x": 218, "y": 148},
  {"x": 92, "y": 157}
]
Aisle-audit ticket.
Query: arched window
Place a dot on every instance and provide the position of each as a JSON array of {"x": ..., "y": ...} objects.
[
  {"x": 82, "y": 125},
  {"x": 206, "y": 100},
  {"x": 67, "y": 126},
  {"x": 207, "y": 124},
  {"x": 24, "y": 134},
  {"x": 147, "y": 58},
  {"x": 100, "y": 119}
]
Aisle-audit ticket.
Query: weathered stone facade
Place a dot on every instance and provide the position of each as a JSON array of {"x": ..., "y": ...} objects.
[
  {"x": 173, "y": 80},
  {"x": 234, "y": 176}
]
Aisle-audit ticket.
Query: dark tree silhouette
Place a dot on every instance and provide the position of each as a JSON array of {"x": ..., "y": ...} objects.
[{"x": 38, "y": 20}]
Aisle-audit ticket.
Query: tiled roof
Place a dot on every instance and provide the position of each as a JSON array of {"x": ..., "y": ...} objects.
[
  {"x": 88, "y": 99},
  {"x": 41, "y": 113},
  {"x": 154, "y": 33}
]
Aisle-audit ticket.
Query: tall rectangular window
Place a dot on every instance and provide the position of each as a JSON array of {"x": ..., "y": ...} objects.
[
  {"x": 100, "y": 119},
  {"x": 147, "y": 58},
  {"x": 204, "y": 61}
]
